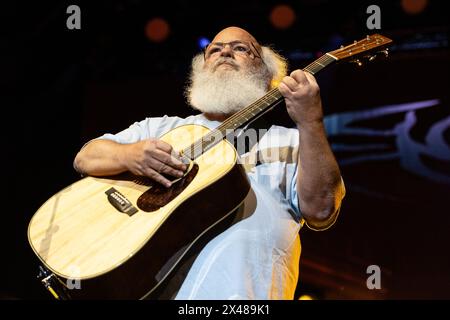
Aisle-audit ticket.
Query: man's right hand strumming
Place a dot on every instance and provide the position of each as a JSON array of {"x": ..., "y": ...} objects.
[{"x": 150, "y": 157}]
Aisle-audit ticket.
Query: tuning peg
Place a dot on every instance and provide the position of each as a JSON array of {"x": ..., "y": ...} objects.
[
  {"x": 371, "y": 58},
  {"x": 385, "y": 52},
  {"x": 358, "y": 62}
]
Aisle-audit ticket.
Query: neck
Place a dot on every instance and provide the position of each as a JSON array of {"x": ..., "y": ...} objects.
[
  {"x": 231, "y": 122},
  {"x": 216, "y": 116}
]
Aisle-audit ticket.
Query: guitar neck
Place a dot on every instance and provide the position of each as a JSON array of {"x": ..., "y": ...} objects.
[
  {"x": 249, "y": 113},
  {"x": 269, "y": 100}
]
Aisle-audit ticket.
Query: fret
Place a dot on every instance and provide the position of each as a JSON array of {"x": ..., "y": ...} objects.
[{"x": 269, "y": 100}]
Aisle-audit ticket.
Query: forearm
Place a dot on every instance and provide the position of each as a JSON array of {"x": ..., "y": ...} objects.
[
  {"x": 101, "y": 158},
  {"x": 319, "y": 183}
]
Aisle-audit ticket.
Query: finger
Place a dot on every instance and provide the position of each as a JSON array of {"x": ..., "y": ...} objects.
[
  {"x": 284, "y": 90},
  {"x": 290, "y": 83},
  {"x": 164, "y": 146},
  {"x": 161, "y": 167},
  {"x": 300, "y": 77},
  {"x": 169, "y": 160},
  {"x": 312, "y": 80},
  {"x": 152, "y": 174}
]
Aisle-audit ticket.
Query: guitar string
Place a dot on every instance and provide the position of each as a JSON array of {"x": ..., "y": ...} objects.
[
  {"x": 231, "y": 123},
  {"x": 268, "y": 100},
  {"x": 250, "y": 109},
  {"x": 198, "y": 146},
  {"x": 260, "y": 104},
  {"x": 270, "y": 92},
  {"x": 311, "y": 67},
  {"x": 228, "y": 124}
]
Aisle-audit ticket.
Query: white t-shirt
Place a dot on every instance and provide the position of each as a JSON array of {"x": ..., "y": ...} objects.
[{"x": 257, "y": 257}]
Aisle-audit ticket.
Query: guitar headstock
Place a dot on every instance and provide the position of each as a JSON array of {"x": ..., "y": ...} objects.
[{"x": 368, "y": 48}]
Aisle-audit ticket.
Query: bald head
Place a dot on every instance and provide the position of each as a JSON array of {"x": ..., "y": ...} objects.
[{"x": 235, "y": 33}]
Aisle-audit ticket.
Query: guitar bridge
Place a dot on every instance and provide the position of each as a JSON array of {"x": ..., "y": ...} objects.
[{"x": 120, "y": 202}]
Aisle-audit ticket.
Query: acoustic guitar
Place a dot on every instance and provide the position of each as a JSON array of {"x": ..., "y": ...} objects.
[{"x": 120, "y": 237}]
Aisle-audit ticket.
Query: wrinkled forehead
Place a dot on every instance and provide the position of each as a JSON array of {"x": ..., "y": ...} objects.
[{"x": 236, "y": 34}]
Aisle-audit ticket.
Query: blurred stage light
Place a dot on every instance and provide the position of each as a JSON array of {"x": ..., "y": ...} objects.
[
  {"x": 282, "y": 16},
  {"x": 203, "y": 42},
  {"x": 157, "y": 30},
  {"x": 306, "y": 297},
  {"x": 414, "y": 6}
]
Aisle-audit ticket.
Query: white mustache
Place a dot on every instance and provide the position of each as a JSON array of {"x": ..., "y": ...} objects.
[{"x": 225, "y": 60}]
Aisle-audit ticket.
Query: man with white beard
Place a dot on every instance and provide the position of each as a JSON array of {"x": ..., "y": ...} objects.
[{"x": 258, "y": 256}]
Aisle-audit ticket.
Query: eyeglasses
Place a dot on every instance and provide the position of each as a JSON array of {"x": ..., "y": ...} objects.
[{"x": 240, "y": 48}]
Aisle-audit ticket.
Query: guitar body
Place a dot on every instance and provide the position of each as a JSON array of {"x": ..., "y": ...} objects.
[{"x": 80, "y": 236}]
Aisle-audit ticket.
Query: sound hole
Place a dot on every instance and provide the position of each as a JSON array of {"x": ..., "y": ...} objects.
[{"x": 158, "y": 195}]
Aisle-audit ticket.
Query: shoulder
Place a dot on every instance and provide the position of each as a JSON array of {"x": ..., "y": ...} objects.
[{"x": 160, "y": 125}]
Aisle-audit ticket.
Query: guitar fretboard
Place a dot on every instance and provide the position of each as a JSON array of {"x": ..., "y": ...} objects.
[{"x": 271, "y": 99}]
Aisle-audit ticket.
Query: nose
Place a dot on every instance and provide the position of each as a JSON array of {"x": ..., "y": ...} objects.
[{"x": 226, "y": 51}]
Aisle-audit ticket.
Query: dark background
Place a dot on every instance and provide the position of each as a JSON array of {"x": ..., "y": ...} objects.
[{"x": 63, "y": 87}]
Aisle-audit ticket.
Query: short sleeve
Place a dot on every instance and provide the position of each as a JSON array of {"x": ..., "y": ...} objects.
[{"x": 136, "y": 132}]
